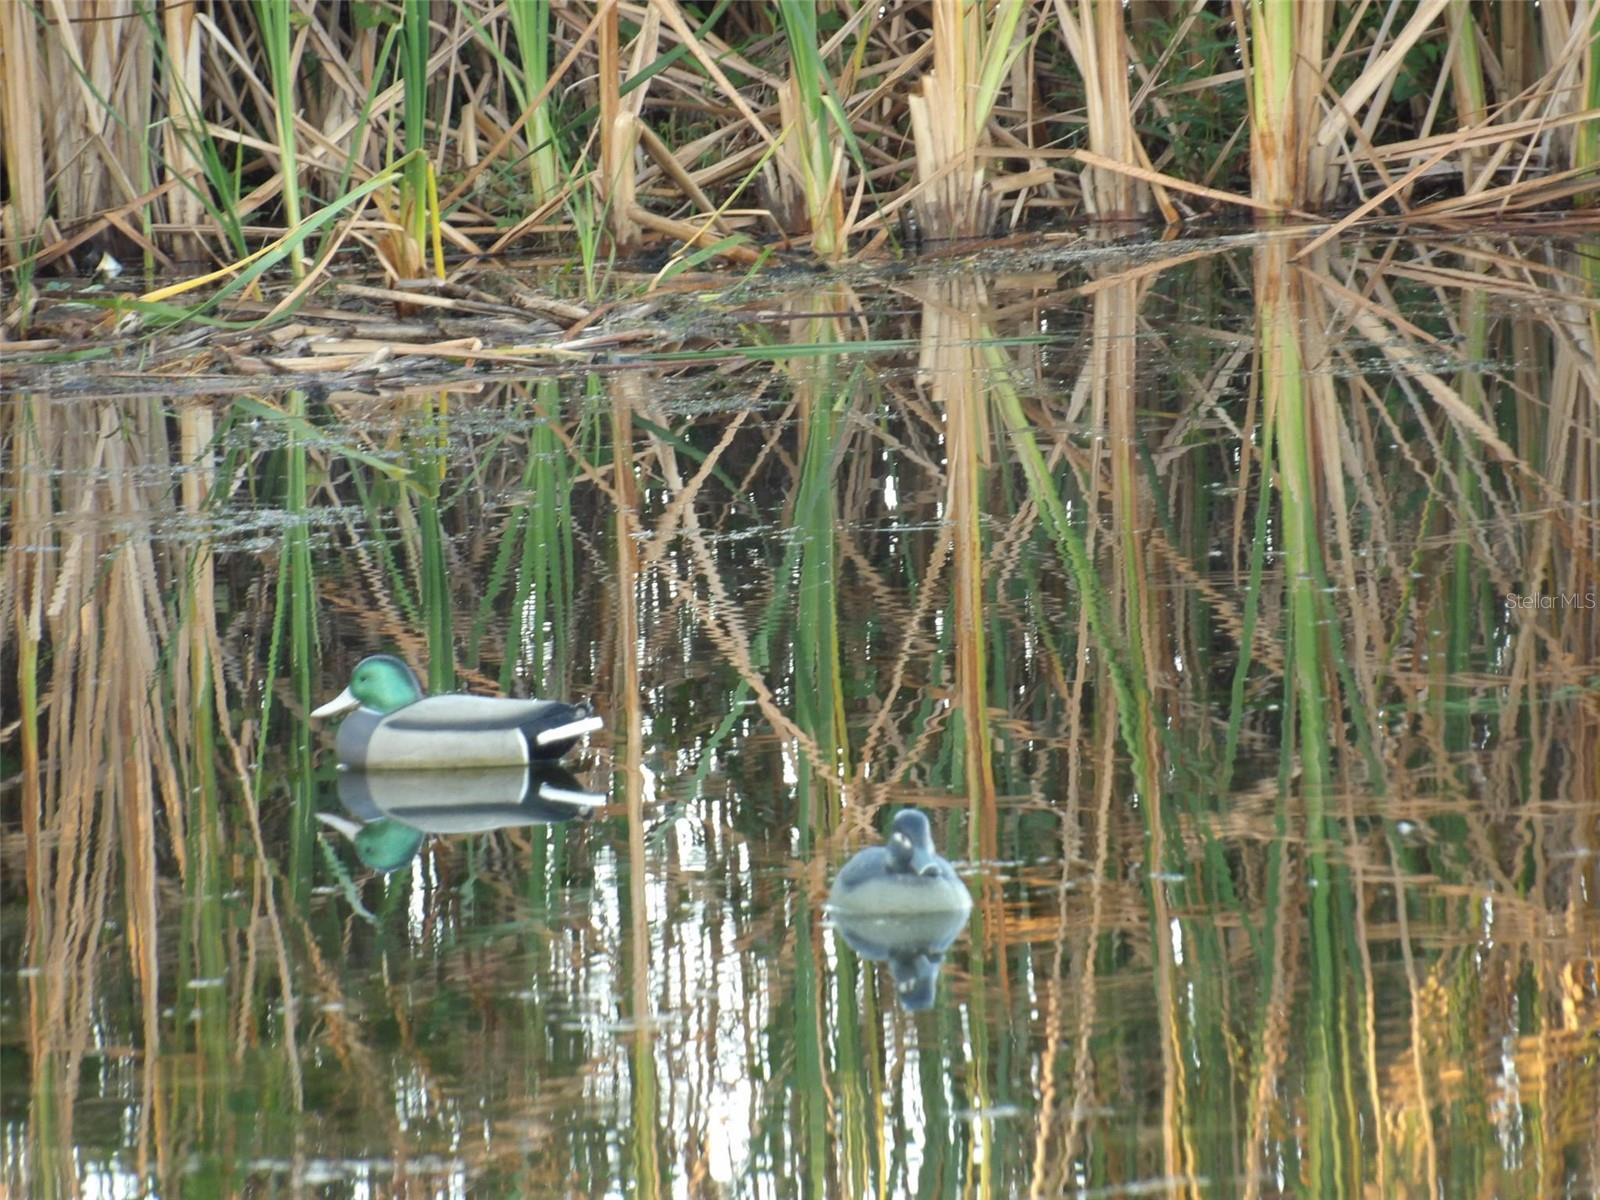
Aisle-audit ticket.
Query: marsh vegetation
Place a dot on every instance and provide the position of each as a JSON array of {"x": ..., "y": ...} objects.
[
  {"x": 1228, "y": 601},
  {"x": 409, "y": 136},
  {"x": 1230, "y": 608}
]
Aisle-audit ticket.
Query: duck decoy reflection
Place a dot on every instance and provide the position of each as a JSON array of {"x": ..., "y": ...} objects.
[
  {"x": 913, "y": 944},
  {"x": 392, "y": 812},
  {"x": 395, "y": 727},
  {"x": 905, "y": 875},
  {"x": 384, "y": 845}
]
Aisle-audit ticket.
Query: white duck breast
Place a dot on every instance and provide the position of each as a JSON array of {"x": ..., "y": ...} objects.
[
  {"x": 882, "y": 892},
  {"x": 458, "y": 732}
]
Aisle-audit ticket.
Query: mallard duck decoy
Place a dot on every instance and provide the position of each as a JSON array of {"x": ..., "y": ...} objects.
[
  {"x": 471, "y": 800},
  {"x": 395, "y": 727},
  {"x": 381, "y": 845},
  {"x": 390, "y": 813},
  {"x": 905, "y": 875}
]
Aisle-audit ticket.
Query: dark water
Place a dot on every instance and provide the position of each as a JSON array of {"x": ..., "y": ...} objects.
[{"x": 1231, "y": 614}]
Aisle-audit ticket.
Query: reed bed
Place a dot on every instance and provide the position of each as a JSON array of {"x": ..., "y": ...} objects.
[{"x": 210, "y": 129}]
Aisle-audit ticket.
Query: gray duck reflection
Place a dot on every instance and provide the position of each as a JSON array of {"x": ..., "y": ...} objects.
[
  {"x": 903, "y": 904},
  {"x": 391, "y": 813}
]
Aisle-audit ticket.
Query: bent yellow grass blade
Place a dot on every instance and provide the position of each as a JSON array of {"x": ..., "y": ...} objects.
[{"x": 252, "y": 266}]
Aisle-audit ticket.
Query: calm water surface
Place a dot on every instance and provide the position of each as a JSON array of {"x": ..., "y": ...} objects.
[{"x": 1230, "y": 610}]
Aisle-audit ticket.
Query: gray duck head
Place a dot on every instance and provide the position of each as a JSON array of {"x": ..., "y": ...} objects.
[{"x": 911, "y": 849}]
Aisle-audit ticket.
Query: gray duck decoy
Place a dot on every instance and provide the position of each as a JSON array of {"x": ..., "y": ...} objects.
[
  {"x": 905, "y": 875},
  {"x": 913, "y": 944}
]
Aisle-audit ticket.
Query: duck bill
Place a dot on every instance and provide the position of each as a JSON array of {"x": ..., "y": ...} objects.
[
  {"x": 343, "y": 824},
  {"x": 343, "y": 702}
]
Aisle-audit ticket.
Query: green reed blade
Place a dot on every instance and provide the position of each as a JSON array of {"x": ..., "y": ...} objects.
[
  {"x": 302, "y": 649},
  {"x": 273, "y": 17},
  {"x": 530, "y": 21},
  {"x": 1125, "y": 680}
]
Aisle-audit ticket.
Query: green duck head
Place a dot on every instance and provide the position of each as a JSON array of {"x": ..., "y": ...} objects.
[
  {"x": 385, "y": 845},
  {"x": 382, "y": 683}
]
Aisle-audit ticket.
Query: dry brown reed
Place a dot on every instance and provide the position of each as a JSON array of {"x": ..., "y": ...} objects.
[
  {"x": 105, "y": 776},
  {"x": 1095, "y": 36},
  {"x": 163, "y": 133},
  {"x": 951, "y": 362}
]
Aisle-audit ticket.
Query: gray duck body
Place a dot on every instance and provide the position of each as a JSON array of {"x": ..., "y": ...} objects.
[
  {"x": 905, "y": 876},
  {"x": 458, "y": 732}
]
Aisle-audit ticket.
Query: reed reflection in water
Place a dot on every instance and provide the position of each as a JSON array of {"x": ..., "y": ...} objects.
[{"x": 1231, "y": 612}]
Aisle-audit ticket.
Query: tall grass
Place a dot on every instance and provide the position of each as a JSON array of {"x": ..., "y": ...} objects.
[
  {"x": 1586, "y": 140},
  {"x": 278, "y": 40},
  {"x": 530, "y": 21},
  {"x": 26, "y": 210},
  {"x": 859, "y": 118},
  {"x": 815, "y": 130},
  {"x": 1096, "y": 38},
  {"x": 973, "y": 48}
]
